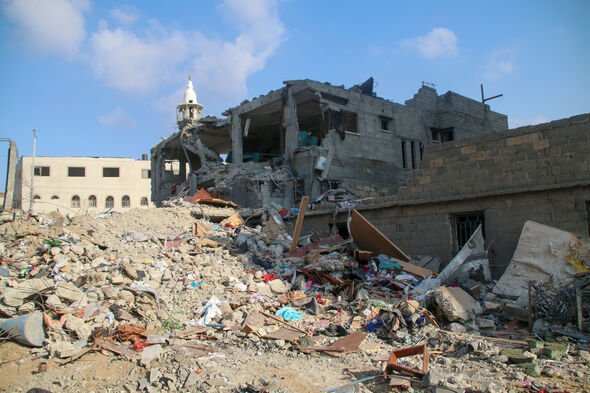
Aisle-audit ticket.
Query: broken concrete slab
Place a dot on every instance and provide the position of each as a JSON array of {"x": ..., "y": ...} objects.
[
  {"x": 69, "y": 292},
  {"x": 78, "y": 326},
  {"x": 278, "y": 286},
  {"x": 16, "y": 296},
  {"x": 150, "y": 354},
  {"x": 455, "y": 304}
]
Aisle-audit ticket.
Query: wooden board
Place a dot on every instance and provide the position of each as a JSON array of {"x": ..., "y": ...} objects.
[
  {"x": 367, "y": 237},
  {"x": 299, "y": 223}
]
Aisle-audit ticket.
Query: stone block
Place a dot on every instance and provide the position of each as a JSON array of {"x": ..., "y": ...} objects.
[
  {"x": 456, "y": 304},
  {"x": 520, "y": 139},
  {"x": 532, "y": 370},
  {"x": 437, "y": 162},
  {"x": 541, "y": 144},
  {"x": 468, "y": 149},
  {"x": 518, "y": 356},
  {"x": 424, "y": 179},
  {"x": 555, "y": 350},
  {"x": 69, "y": 292}
]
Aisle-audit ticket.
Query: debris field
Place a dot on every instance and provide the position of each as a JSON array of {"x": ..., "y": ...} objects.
[{"x": 201, "y": 296}]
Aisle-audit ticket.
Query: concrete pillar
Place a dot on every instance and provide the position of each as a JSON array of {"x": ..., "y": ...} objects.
[
  {"x": 237, "y": 147},
  {"x": 182, "y": 170},
  {"x": 291, "y": 126},
  {"x": 157, "y": 173},
  {"x": 10, "y": 176}
]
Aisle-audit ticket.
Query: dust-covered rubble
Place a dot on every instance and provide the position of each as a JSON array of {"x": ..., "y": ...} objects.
[{"x": 202, "y": 298}]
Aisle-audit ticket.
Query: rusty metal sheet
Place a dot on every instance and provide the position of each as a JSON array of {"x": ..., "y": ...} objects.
[
  {"x": 346, "y": 344},
  {"x": 284, "y": 334}
]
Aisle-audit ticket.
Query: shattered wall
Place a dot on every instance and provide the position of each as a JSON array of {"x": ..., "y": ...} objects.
[
  {"x": 539, "y": 173},
  {"x": 371, "y": 161},
  {"x": 467, "y": 117}
]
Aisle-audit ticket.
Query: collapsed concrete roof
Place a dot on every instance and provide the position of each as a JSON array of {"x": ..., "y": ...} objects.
[{"x": 329, "y": 137}]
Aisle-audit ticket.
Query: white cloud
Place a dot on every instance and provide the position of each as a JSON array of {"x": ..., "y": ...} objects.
[
  {"x": 499, "y": 64},
  {"x": 134, "y": 64},
  {"x": 141, "y": 62},
  {"x": 53, "y": 27},
  {"x": 439, "y": 42},
  {"x": 140, "y": 56},
  {"x": 516, "y": 122},
  {"x": 125, "y": 14},
  {"x": 117, "y": 118},
  {"x": 376, "y": 50}
]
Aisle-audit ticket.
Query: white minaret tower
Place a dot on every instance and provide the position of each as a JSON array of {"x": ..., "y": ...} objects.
[{"x": 190, "y": 110}]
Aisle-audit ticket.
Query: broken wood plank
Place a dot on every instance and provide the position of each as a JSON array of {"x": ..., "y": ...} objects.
[
  {"x": 488, "y": 338},
  {"x": 322, "y": 244},
  {"x": 74, "y": 357},
  {"x": 366, "y": 236},
  {"x": 579, "y": 314},
  {"x": 299, "y": 223},
  {"x": 283, "y": 322},
  {"x": 115, "y": 348}
]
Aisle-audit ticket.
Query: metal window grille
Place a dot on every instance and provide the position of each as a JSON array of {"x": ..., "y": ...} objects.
[{"x": 464, "y": 225}]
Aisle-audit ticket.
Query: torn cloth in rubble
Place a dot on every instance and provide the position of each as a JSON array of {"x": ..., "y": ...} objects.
[
  {"x": 288, "y": 314},
  {"x": 209, "y": 311},
  {"x": 545, "y": 254}
]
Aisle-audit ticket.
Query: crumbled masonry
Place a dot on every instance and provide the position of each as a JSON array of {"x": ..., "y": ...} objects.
[{"x": 208, "y": 297}]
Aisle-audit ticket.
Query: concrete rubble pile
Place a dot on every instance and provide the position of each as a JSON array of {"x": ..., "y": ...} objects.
[{"x": 207, "y": 297}]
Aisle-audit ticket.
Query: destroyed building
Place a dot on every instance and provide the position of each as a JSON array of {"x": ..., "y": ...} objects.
[
  {"x": 311, "y": 138},
  {"x": 499, "y": 181}
]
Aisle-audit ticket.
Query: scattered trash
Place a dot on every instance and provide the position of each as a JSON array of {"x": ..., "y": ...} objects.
[{"x": 204, "y": 286}]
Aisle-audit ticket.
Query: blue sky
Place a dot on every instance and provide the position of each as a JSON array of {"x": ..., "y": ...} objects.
[{"x": 103, "y": 78}]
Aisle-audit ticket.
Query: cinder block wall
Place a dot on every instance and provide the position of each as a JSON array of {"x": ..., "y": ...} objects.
[
  {"x": 549, "y": 155},
  {"x": 538, "y": 173}
]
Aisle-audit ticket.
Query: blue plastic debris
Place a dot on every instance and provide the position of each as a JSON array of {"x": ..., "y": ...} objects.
[{"x": 288, "y": 314}]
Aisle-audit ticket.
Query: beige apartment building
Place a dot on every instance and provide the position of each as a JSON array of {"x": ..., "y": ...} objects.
[{"x": 82, "y": 185}]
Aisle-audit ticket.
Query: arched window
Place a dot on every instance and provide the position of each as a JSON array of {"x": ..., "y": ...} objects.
[
  {"x": 125, "y": 201},
  {"x": 92, "y": 201},
  {"x": 55, "y": 197},
  {"x": 109, "y": 203},
  {"x": 144, "y": 201},
  {"x": 75, "y": 201},
  {"x": 36, "y": 197}
]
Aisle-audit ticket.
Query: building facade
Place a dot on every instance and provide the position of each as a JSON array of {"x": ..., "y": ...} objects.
[{"x": 82, "y": 185}]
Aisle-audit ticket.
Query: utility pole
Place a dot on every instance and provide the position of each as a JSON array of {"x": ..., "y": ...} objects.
[{"x": 33, "y": 170}]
